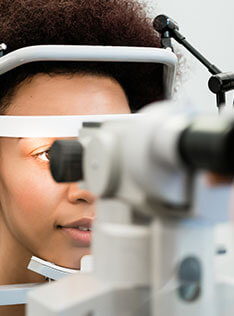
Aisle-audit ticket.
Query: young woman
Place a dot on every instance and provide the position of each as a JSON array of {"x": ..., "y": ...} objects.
[{"x": 35, "y": 212}]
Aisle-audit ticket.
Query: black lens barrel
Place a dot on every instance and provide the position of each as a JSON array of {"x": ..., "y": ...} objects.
[{"x": 209, "y": 146}]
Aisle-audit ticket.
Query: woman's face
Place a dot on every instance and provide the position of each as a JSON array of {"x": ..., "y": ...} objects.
[{"x": 34, "y": 210}]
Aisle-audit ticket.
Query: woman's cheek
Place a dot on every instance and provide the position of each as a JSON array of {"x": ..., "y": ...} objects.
[{"x": 36, "y": 193}]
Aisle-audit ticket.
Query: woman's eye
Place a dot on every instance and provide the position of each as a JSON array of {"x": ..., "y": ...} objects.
[{"x": 44, "y": 156}]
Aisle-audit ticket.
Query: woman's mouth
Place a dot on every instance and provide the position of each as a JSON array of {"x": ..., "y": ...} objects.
[{"x": 79, "y": 231}]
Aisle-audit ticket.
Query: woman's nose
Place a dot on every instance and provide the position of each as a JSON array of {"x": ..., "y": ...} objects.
[{"x": 75, "y": 194}]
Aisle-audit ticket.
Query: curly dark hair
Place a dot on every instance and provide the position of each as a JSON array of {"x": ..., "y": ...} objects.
[{"x": 81, "y": 22}]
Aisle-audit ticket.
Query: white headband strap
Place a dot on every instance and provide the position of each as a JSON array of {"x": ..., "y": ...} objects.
[{"x": 52, "y": 126}]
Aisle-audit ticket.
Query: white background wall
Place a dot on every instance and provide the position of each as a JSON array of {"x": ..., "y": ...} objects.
[{"x": 209, "y": 26}]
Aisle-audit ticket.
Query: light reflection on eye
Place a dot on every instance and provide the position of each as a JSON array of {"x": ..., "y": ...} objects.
[{"x": 43, "y": 156}]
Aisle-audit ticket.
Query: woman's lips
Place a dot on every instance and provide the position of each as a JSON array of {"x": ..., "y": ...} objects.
[
  {"x": 79, "y": 231},
  {"x": 82, "y": 237}
]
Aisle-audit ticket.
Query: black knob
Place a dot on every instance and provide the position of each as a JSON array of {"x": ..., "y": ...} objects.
[
  {"x": 189, "y": 277},
  {"x": 221, "y": 82},
  {"x": 215, "y": 84},
  {"x": 66, "y": 161},
  {"x": 163, "y": 23}
]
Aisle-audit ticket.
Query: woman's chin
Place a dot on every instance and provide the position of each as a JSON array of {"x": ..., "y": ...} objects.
[{"x": 71, "y": 261}]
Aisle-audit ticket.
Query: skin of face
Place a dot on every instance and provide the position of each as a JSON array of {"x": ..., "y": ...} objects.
[{"x": 32, "y": 204}]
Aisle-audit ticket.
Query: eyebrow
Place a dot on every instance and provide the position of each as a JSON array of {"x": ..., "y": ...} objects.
[
  {"x": 44, "y": 138},
  {"x": 38, "y": 138}
]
